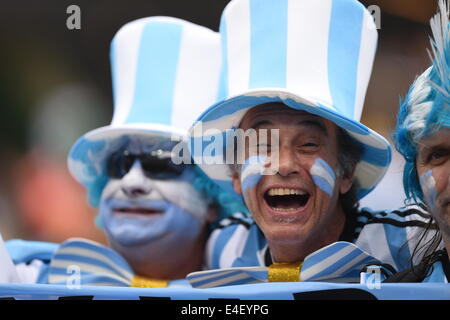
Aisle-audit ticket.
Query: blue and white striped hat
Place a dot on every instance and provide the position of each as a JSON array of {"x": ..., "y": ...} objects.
[
  {"x": 312, "y": 55},
  {"x": 165, "y": 72}
]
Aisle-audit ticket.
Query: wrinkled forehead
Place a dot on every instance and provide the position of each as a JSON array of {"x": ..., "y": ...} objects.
[{"x": 138, "y": 144}]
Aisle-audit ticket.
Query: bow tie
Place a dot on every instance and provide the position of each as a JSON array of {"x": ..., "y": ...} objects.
[
  {"x": 89, "y": 263},
  {"x": 338, "y": 262}
]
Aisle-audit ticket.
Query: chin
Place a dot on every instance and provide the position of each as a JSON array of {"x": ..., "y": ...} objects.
[{"x": 285, "y": 232}]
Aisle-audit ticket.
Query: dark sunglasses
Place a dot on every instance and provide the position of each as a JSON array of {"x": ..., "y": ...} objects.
[{"x": 120, "y": 163}]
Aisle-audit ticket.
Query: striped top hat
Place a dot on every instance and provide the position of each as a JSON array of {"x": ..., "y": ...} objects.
[
  {"x": 165, "y": 71},
  {"x": 311, "y": 55}
]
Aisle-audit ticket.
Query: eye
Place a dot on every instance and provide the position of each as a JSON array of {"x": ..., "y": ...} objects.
[
  {"x": 309, "y": 147},
  {"x": 436, "y": 157},
  {"x": 310, "y": 144}
]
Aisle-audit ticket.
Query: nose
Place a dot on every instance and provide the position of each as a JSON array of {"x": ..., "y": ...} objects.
[
  {"x": 288, "y": 162},
  {"x": 135, "y": 184}
]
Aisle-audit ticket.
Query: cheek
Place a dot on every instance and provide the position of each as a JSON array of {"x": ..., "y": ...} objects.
[
  {"x": 110, "y": 188},
  {"x": 428, "y": 185},
  {"x": 252, "y": 173},
  {"x": 184, "y": 195},
  {"x": 323, "y": 176}
]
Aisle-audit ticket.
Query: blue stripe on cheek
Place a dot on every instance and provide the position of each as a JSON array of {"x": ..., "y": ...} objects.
[
  {"x": 322, "y": 163},
  {"x": 323, "y": 176},
  {"x": 323, "y": 185},
  {"x": 252, "y": 170},
  {"x": 250, "y": 181}
]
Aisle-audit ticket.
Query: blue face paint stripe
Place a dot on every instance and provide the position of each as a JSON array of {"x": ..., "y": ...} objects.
[
  {"x": 156, "y": 73},
  {"x": 345, "y": 32},
  {"x": 327, "y": 167},
  {"x": 251, "y": 180},
  {"x": 321, "y": 173},
  {"x": 323, "y": 184},
  {"x": 268, "y": 50}
]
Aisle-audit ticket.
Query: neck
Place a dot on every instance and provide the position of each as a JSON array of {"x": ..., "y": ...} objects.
[
  {"x": 159, "y": 262},
  {"x": 328, "y": 233}
]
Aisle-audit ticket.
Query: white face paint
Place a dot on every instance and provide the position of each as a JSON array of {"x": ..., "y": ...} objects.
[
  {"x": 253, "y": 169},
  {"x": 428, "y": 185},
  {"x": 135, "y": 209}
]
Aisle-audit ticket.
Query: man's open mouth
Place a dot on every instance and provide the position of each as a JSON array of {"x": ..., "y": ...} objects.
[
  {"x": 286, "y": 199},
  {"x": 137, "y": 211}
]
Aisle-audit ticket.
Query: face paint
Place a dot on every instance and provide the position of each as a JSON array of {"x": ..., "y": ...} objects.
[
  {"x": 323, "y": 176},
  {"x": 129, "y": 230},
  {"x": 428, "y": 185},
  {"x": 175, "y": 205},
  {"x": 182, "y": 193},
  {"x": 253, "y": 170}
]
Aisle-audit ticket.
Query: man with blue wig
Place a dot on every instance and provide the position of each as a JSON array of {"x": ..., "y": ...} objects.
[
  {"x": 423, "y": 137},
  {"x": 155, "y": 213},
  {"x": 300, "y": 68}
]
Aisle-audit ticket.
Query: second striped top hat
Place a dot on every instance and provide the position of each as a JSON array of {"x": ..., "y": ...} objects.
[
  {"x": 311, "y": 55},
  {"x": 165, "y": 71}
]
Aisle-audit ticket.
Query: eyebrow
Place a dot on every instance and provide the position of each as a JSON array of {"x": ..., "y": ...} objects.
[
  {"x": 316, "y": 123},
  {"x": 439, "y": 146}
]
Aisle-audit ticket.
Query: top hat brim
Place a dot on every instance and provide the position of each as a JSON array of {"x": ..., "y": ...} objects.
[
  {"x": 227, "y": 114},
  {"x": 87, "y": 157}
]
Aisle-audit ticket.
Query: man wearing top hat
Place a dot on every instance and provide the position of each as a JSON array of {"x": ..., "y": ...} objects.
[
  {"x": 301, "y": 67},
  {"x": 155, "y": 214}
]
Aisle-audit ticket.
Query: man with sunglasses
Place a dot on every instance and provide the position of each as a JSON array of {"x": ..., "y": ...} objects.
[
  {"x": 155, "y": 214},
  {"x": 150, "y": 209}
]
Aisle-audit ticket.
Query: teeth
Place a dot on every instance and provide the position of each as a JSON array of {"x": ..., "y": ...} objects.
[
  {"x": 284, "y": 209},
  {"x": 285, "y": 192}
]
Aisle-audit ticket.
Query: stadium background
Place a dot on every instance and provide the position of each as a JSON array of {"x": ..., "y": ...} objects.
[{"x": 55, "y": 85}]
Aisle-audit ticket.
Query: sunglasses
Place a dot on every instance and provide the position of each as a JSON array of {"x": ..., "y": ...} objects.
[{"x": 120, "y": 163}]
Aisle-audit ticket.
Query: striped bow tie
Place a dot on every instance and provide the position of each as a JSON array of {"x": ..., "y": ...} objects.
[
  {"x": 96, "y": 265},
  {"x": 338, "y": 262}
]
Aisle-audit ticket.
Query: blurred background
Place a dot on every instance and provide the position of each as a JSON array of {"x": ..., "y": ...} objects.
[{"x": 55, "y": 85}]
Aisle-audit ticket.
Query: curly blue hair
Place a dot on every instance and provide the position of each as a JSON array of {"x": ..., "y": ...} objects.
[{"x": 426, "y": 107}]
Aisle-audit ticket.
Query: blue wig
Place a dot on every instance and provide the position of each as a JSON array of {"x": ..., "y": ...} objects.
[{"x": 426, "y": 107}]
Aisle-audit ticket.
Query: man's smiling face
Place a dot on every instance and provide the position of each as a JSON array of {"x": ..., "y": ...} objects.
[
  {"x": 433, "y": 167},
  {"x": 299, "y": 204}
]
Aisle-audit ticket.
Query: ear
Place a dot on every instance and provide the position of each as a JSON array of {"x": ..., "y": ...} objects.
[
  {"x": 236, "y": 183},
  {"x": 346, "y": 182}
]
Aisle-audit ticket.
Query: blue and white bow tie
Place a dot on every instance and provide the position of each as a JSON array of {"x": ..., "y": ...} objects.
[
  {"x": 338, "y": 262},
  {"x": 97, "y": 265}
]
